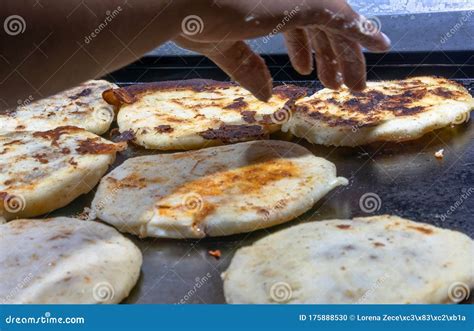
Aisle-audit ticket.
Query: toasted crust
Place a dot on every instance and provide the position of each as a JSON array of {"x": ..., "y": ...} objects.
[
  {"x": 195, "y": 113},
  {"x": 386, "y": 111},
  {"x": 214, "y": 191},
  {"x": 380, "y": 259},
  {"x": 81, "y": 106},
  {"x": 65, "y": 261},
  {"x": 45, "y": 170},
  {"x": 133, "y": 93}
]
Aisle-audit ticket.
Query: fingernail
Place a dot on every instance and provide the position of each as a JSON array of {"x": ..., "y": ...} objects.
[
  {"x": 305, "y": 71},
  {"x": 386, "y": 39},
  {"x": 263, "y": 95},
  {"x": 359, "y": 87}
]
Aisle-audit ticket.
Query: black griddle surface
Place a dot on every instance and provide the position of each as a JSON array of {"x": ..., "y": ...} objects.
[{"x": 407, "y": 177}]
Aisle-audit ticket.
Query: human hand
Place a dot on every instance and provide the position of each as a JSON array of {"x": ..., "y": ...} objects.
[{"x": 331, "y": 29}]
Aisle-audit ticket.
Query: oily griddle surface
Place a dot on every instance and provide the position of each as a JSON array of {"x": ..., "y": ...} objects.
[{"x": 407, "y": 178}]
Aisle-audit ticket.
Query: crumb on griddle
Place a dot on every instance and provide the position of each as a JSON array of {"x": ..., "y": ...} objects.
[
  {"x": 215, "y": 253},
  {"x": 439, "y": 154}
]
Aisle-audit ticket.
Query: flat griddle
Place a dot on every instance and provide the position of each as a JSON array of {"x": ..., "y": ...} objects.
[{"x": 407, "y": 177}]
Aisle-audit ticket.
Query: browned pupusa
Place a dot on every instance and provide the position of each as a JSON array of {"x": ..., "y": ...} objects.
[
  {"x": 386, "y": 111},
  {"x": 80, "y": 106},
  {"x": 214, "y": 191},
  {"x": 195, "y": 113},
  {"x": 45, "y": 170}
]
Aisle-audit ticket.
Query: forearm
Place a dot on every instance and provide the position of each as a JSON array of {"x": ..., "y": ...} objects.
[{"x": 66, "y": 42}]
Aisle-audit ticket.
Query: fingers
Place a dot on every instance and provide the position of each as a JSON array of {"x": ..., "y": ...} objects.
[
  {"x": 326, "y": 62},
  {"x": 344, "y": 21},
  {"x": 338, "y": 61},
  {"x": 299, "y": 49},
  {"x": 238, "y": 61},
  {"x": 245, "y": 67},
  {"x": 367, "y": 33},
  {"x": 351, "y": 61}
]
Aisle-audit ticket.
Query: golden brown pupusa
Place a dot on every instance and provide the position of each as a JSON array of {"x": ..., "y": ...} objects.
[
  {"x": 80, "y": 106},
  {"x": 385, "y": 111},
  {"x": 214, "y": 191},
  {"x": 194, "y": 113},
  {"x": 45, "y": 170}
]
